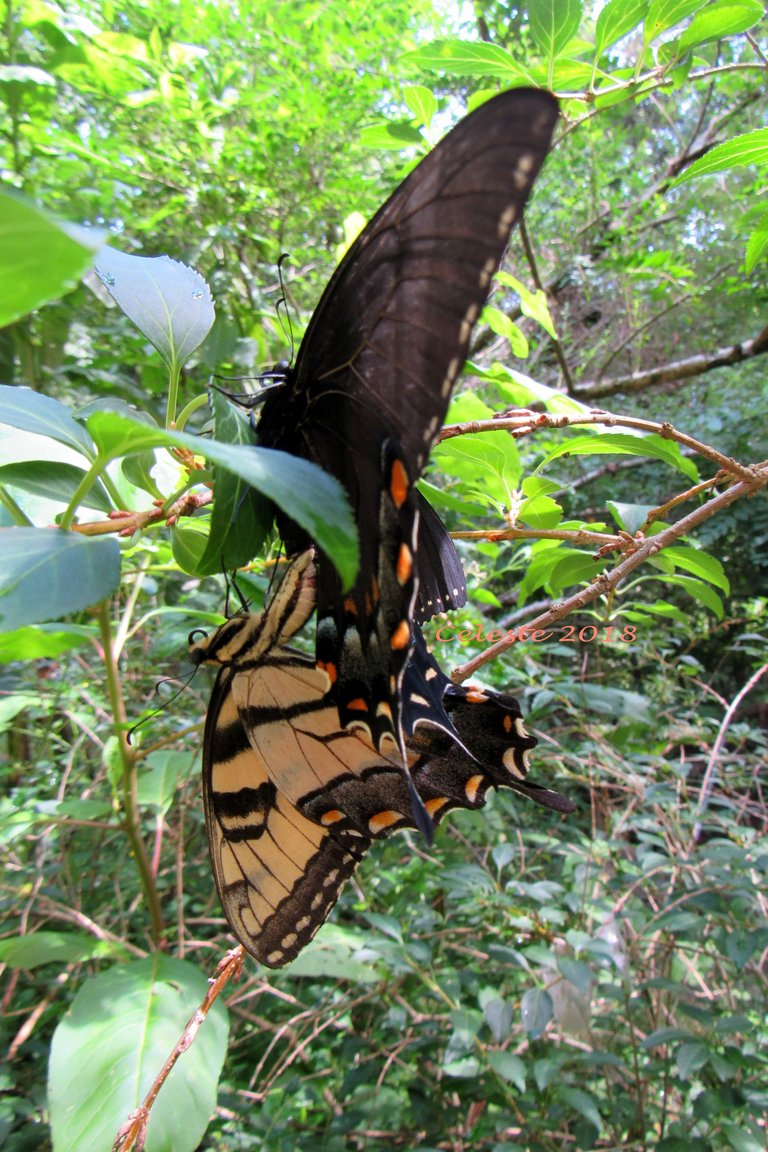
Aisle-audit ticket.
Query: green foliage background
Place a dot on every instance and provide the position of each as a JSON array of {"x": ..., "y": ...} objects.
[{"x": 531, "y": 982}]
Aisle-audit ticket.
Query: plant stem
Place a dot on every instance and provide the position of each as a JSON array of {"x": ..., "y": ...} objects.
[{"x": 131, "y": 818}]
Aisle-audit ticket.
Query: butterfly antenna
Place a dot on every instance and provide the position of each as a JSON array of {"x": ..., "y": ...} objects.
[
  {"x": 156, "y": 711},
  {"x": 282, "y": 306}
]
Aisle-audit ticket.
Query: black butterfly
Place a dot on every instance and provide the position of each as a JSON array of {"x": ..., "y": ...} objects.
[{"x": 372, "y": 382}]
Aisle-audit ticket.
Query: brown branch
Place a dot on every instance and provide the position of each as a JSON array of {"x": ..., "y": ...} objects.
[
  {"x": 677, "y": 370},
  {"x": 126, "y": 523},
  {"x": 608, "y": 581},
  {"x": 522, "y": 422},
  {"x": 133, "y": 1133}
]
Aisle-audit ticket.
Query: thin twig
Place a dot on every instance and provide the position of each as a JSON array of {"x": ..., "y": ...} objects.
[
  {"x": 707, "y": 783},
  {"x": 133, "y": 1133}
]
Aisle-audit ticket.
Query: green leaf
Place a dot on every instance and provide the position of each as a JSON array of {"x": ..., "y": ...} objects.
[
  {"x": 159, "y": 778},
  {"x": 46, "y": 574},
  {"x": 392, "y": 137},
  {"x": 116, "y": 1036},
  {"x": 573, "y": 567},
  {"x": 43, "y": 641},
  {"x": 664, "y": 14},
  {"x": 749, "y": 148},
  {"x": 54, "y": 481},
  {"x": 333, "y": 955},
  {"x": 553, "y": 24},
  {"x": 510, "y": 1067},
  {"x": 168, "y": 302},
  {"x": 741, "y": 1140},
  {"x": 615, "y": 20},
  {"x": 33, "y": 412},
  {"x": 241, "y": 516},
  {"x": 469, "y": 59},
  {"x": 12, "y": 705},
  {"x": 615, "y": 702},
  {"x": 501, "y": 324},
  {"x": 308, "y": 495},
  {"x": 422, "y": 103},
  {"x": 757, "y": 245},
  {"x": 698, "y": 591},
  {"x": 540, "y": 512},
  {"x": 41, "y": 258},
  {"x": 700, "y": 563},
  {"x": 630, "y": 517},
  {"x": 387, "y": 925},
  {"x": 465, "y": 1069},
  {"x": 60, "y": 948},
  {"x": 719, "y": 20},
  {"x": 583, "y": 1103},
  {"x": 622, "y": 444},
  {"x": 690, "y": 1057},
  {"x": 536, "y": 1011},
  {"x": 576, "y": 972},
  {"x": 499, "y": 1017}
]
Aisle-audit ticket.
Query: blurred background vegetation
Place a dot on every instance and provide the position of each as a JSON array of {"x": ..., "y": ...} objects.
[{"x": 531, "y": 981}]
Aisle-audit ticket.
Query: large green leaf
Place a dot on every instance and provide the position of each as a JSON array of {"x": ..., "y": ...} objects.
[
  {"x": 749, "y": 148},
  {"x": 43, "y": 641},
  {"x": 46, "y": 574},
  {"x": 241, "y": 515},
  {"x": 623, "y": 444},
  {"x": 60, "y": 948},
  {"x": 33, "y": 412},
  {"x": 308, "y": 495},
  {"x": 167, "y": 301},
  {"x": 108, "y": 1049},
  {"x": 41, "y": 257},
  {"x": 468, "y": 59},
  {"x": 553, "y": 23},
  {"x": 615, "y": 19}
]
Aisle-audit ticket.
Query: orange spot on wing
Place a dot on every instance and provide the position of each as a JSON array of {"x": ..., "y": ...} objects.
[
  {"x": 507, "y": 723},
  {"x": 398, "y": 483},
  {"x": 330, "y": 670},
  {"x": 331, "y": 817},
  {"x": 434, "y": 806},
  {"x": 473, "y": 787},
  {"x": 404, "y": 564},
  {"x": 384, "y": 820},
  {"x": 401, "y": 637},
  {"x": 358, "y": 705}
]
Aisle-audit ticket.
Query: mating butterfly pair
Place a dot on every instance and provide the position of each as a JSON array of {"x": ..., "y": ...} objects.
[{"x": 366, "y": 400}]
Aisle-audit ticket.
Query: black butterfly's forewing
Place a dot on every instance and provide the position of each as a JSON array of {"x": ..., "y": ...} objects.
[{"x": 379, "y": 359}]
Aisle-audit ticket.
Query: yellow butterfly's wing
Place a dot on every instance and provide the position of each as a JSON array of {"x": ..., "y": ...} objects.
[
  {"x": 333, "y": 775},
  {"x": 278, "y": 873}
]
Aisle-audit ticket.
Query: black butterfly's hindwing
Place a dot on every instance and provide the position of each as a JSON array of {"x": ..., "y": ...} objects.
[{"x": 375, "y": 371}]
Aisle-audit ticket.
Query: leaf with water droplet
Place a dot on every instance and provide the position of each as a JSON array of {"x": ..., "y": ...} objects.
[
  {"x": 41, "y": 257},
  {"x": 168, "y": 302}
]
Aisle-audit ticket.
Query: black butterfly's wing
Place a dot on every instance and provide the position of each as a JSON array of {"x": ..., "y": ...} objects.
[
  {"x": 375, "y": 371},
  {"x": 490, "y": 725},
  {"x": 441, "y": 585}
]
